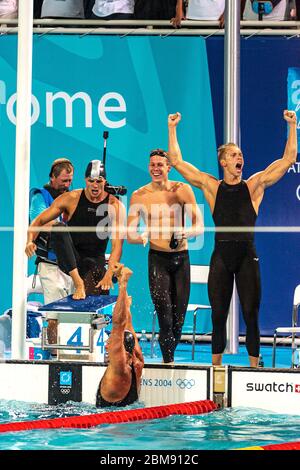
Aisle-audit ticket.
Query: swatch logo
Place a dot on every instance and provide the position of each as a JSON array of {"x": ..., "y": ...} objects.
[{"x": 273, "y": 387}]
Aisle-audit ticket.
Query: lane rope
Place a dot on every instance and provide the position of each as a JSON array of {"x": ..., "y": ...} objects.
[{"x": 124, "y": 416}]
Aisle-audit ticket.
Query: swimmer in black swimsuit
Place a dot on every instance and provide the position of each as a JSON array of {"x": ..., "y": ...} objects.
[
  {"x": 81, "y": 255},
  {"x": 234, "y": 203},
  {"x": 120, "y": 384}
]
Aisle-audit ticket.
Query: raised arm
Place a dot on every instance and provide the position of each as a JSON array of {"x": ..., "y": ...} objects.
[
  {"x": 129, "y": 326},
  {"x": 115, "y": 344},
  {"x": 277, "y": 169},
  {"x": 121, "y": 320},
  {"x": 206, "y": 182}
]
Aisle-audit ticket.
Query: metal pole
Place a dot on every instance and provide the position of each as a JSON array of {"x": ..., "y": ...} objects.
[
  {"x": 22, "y": 165},
  {"x": 232, "y": 129}
]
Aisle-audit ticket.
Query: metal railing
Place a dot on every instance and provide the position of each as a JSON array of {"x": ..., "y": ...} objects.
[{"x": 151, "y": 27}]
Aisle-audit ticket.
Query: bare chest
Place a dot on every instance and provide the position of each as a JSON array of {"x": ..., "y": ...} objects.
[{"x": 163, "y": 207}]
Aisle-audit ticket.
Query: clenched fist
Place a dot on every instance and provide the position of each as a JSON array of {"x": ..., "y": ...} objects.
[
  {"x": 173, "y": 119},
  {"x": 290, "y": 116}
]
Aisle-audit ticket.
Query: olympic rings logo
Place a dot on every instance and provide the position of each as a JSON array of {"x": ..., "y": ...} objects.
[
  {"x": 185, "y": 383},
  {"x": 65, "y": 391}
]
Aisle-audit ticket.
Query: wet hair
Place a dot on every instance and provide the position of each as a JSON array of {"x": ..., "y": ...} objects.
[
  {"x": 129, "y": 341},
  {"x": 223, "y": 149},
  {"x": 159, "y": 152},
  {"x": 95, "y": 169},
  {"x": 59, "y": 165}
]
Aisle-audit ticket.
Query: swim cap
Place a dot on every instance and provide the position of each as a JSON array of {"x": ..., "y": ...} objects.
[
  {"x": 129, "y": 341},
  {"x": 95, "y": 169}
]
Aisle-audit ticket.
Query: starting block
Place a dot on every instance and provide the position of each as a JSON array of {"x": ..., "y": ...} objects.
[{"x": 80, "y": 327}]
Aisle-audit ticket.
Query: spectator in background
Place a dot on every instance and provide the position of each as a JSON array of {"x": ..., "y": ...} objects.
[
  {"x": 294, "y": 10},
  {"x": 8, "y": 9},
  {"x": 154, "y": 9},
  {"x": 37, "y": 8},
  {"x": 204, "y": 10},
  {"x": 62, "y": 9},
  {"x": 38, "y": 4},
  {"x": 112, "y": 10},
  {"x": 277, "y": 14}
]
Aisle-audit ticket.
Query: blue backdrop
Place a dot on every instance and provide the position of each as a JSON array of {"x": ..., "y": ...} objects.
[
  {"x": 142, "y": 80},
  {"x": 75, "y": 81}
]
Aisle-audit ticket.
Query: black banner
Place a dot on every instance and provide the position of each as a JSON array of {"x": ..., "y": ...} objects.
[{"x": 65, "y": 383}]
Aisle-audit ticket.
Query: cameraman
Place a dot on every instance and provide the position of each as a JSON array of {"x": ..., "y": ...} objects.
[{"x": 54, "y": 282}]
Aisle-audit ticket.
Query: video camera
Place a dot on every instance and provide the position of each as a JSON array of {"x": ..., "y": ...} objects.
[{"x": 115, "y": 190}]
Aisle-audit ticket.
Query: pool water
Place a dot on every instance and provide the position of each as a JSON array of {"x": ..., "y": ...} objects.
[{"x": 219, "y": 430}]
